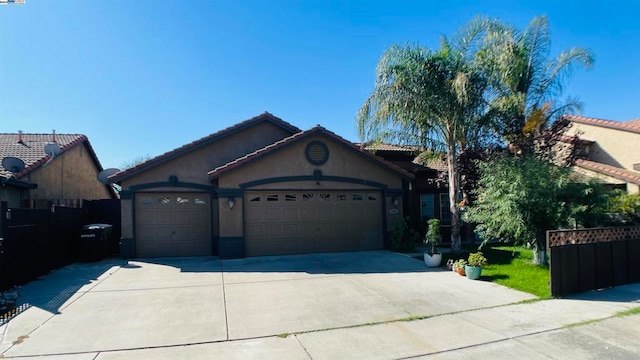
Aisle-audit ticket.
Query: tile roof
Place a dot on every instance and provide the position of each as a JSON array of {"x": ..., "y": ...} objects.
[
  {"x": 203, "y": 142},
  {"x": 389, "y": 147},
  {"x": 613, "y": 171},
  {"x": 630, "y": 126},
  {"x": 298, "y": 137},
  {"x": 31, "y": 149},
  {"x": 438, "y": 163}
]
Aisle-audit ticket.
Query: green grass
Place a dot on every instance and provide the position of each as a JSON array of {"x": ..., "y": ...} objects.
[{"x": 511, "y": 266}]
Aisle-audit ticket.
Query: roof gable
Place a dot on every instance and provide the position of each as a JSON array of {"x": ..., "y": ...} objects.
[
  {"x": 632, "y": 126},
  {"x": 230, "y": 166},
  {"x": 30, "y": 149},
  {"x": 197, "y": 144}
]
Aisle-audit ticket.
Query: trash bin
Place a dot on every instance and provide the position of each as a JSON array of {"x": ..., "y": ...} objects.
[{"x": 94, "y": 239}]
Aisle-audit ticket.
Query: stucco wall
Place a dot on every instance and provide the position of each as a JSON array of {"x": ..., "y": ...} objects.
[
  {"x": 72, "y": 175},
  {"x": 193, "y": 166},
  {"x": 613, "y": 147}
]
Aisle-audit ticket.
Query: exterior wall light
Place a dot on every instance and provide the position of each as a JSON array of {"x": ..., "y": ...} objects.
[{"x": 231, "y": 202}]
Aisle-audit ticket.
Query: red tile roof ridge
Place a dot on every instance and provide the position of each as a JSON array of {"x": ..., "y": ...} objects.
[
  {"x": 204, "y": 140},
  {"x": 630, "y": 126},
  {"x": 281, "y": 143},
  {"x": 610, "y": 170}
]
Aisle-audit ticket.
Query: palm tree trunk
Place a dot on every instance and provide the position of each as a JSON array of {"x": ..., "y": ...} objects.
[{"x": 452, "y": 167}]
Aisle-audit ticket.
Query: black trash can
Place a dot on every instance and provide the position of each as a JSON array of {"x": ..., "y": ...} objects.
[{"x": 94, "y": 241}]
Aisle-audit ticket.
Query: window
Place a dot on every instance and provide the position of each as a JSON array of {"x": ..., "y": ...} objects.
[
  {"x": 290, "y": 197},
  {"x": 164, "y": 201},
  {"x": 357, "y": 197},
  {"x": 146, "y": 201},
  {"x": 255, "y": 198},
  {"x": 200, "y": 201},
  {"x": 307, "y": 197},
  {"x": 181, "y": 200},
  {"x": 325, "y": 197},
  {"x": 341, "y": 197},
  {"x": 272, "y": 197},
  {"x": 372, "y": 198},
  {"x": 445, "y": 213},
  {"x": 427, "y": 207}
]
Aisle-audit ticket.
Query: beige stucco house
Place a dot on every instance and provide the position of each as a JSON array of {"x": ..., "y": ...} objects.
[
  {"x": 261, "y": 187},
  {"x": 611, "y": 150},
  {"x": 67, "y": 178}
]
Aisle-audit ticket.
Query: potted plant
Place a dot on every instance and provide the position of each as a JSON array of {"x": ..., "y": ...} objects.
[
  {"x": 473, "y": 269},
  {"x": 458, "y": 266},
  {"x": 432, "y": 257}
]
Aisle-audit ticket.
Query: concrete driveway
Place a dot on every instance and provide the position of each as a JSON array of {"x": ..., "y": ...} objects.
[{"x": 246, "y": 308}]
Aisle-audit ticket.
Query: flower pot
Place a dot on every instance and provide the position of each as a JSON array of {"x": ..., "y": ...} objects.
[
  {"x": 460, "y": 271},
  {"x": 432, "y": 260},
  {"x": 473, "y": 272}
]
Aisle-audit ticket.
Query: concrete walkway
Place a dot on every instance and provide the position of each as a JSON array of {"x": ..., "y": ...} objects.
[{"x": 377, "y": 305}]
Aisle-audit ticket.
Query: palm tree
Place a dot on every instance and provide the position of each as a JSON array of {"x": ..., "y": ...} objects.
[
  {"x": 435, "y": 98},
  {"x": 526, "y": 84}
]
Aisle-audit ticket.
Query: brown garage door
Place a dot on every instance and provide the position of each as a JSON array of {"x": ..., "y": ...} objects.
[
  {"x": 173, "y": 224},
  {"x": 298, "y": 222}
]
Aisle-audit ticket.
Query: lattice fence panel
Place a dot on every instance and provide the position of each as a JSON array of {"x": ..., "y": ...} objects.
[{"x": 589, "y": 236}]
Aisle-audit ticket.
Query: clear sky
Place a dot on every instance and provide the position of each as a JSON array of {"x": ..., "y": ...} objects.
[{"x": 144, "y": 77}]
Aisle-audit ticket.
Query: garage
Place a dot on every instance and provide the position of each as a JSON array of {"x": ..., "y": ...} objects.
[
  {"x": 173, "y": 224},
  {"x": 299, "y": 221}
]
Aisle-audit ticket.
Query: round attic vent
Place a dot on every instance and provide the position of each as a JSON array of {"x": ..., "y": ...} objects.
[{"x": 317, "y": 152}]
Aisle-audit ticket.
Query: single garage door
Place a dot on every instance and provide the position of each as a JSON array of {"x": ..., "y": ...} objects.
[
  {"x": 173, "y": 224},
  {"x": 299, "y": 222}
]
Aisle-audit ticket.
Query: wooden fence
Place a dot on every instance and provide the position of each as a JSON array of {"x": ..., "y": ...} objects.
[
  {"x": 590, "y": 259},
  {"x": 36, "y": 241}
]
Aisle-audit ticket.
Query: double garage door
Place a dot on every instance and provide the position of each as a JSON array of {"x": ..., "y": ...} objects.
[
  {"x": 298, "y": 222},
  {"x": 173, "y": 224}
]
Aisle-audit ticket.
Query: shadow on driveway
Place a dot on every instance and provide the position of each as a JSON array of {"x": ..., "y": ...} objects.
[{"x": 364, "y": 262}]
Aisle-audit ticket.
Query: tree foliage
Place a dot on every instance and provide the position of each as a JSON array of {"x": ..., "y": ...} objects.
[{"x": 519, "y": 199}]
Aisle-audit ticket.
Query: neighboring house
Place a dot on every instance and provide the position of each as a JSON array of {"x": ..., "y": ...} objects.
[
  {"x": 261, "y": 187},
  {"x": 65, "y": 179},
  {"x": 610, "y": 150}
]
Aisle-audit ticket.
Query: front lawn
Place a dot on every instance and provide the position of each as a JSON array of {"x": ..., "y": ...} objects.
[{"x": 510, "y": 266}]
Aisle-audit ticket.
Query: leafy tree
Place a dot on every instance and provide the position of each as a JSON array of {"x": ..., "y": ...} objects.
[
  {"x": 431, "y": 97},
  {"x": 135, "y": 161},
  {"x": 520, "y": 199},
  {"x": 624, "y": 207}
]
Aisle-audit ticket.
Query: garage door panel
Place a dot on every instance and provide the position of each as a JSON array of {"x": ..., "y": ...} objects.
[
  {"x": 312, "y": 221},
  {"x": 173, "y": 224},
  {"x": 273, "y": 214}
]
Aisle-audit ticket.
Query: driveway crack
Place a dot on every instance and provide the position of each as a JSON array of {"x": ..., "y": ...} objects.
[{"x": 224, "y": 298}]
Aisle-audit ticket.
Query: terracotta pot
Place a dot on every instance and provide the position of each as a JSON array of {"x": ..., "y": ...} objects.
[{"x": 460, "y": 271}]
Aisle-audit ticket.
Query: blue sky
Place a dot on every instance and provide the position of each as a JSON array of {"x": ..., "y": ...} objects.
[{"x": 144, "y": 77}]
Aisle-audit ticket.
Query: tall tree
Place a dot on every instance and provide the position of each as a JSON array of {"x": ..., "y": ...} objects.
[
  {"x": 527, "y": 84},
  {"x": 432, "y": 97}
]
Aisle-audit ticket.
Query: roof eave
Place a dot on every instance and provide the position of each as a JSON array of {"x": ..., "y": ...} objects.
[
  {"x": 170, "y": 155},
  {"x": 215, "y": 173}
]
